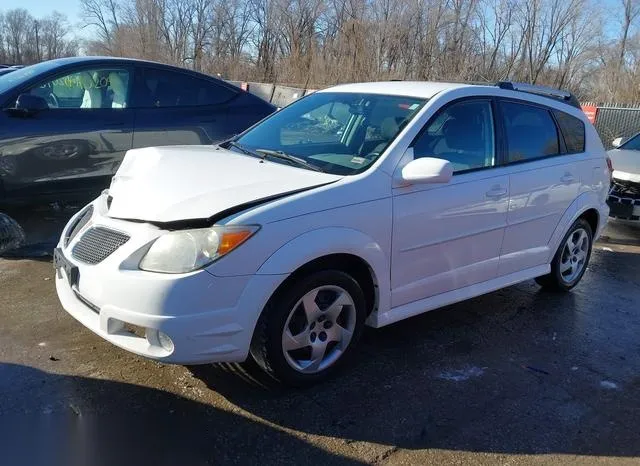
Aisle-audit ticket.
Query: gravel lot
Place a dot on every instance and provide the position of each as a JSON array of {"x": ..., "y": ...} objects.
[{"x": 518, "y": 376}]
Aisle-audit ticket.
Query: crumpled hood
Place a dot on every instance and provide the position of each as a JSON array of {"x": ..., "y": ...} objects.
[
  {"x": 176, "y": 183},
  {"x": 626, "y": 164}
]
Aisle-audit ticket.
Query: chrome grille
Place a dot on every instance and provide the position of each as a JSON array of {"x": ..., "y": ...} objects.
[
  {"x": 80, "y": 222},
  {"x": 98, "y": 243}
]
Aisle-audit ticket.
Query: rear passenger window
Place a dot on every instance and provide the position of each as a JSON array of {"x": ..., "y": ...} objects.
[
  {"x": 162, "y": 88},
  {"x": 531, "y": 132},
  {"x": 572, "y": 129}
]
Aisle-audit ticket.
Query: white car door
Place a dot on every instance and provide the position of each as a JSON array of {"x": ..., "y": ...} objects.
[
  {"x": 449, "y": 236},
  {"x": 544, "y": 181}
]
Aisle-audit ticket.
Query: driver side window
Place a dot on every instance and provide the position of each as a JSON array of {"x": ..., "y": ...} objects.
[
  {"x": 462, "y": 133},
  {"x": 86, "y": 89}
]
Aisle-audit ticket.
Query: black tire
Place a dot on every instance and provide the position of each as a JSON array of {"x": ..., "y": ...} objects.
[
  {"x": 267, "y": 342},
  {"x": 555, "y": 281}
]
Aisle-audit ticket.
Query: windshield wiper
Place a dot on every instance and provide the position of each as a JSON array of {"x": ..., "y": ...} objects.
[
  {"x": 291, "y": 158},
  {"x": 243, "y": 149}
]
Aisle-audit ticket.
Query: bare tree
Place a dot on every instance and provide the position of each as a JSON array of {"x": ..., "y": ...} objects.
[
  {"x": 631, "y": 12},
  {"x": 104, "y": 15},
  {"x": 53, "y": 40},
  {"x": 321, "y": 42},
  {"x": 18, "y": 24}
]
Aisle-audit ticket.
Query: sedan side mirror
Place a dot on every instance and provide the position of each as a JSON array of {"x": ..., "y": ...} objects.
[
  {"x": 27, "y": 105},
  {"x": 617, "y": 142},
  {"x": 427, "y": 170}
]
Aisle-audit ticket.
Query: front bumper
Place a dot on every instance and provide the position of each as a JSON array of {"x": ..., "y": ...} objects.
[
  {"x": 624, "y": 200},
  {"x": 207, "y": 318}
]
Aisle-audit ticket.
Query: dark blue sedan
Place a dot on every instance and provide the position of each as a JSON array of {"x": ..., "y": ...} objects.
[{"x": 66, "y": 124}]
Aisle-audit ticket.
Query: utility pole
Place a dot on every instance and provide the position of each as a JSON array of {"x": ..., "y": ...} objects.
[{"x": 38, "y": 58}]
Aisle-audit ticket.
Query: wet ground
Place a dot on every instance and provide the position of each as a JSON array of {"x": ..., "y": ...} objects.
[{"x": 518, "y": 376}]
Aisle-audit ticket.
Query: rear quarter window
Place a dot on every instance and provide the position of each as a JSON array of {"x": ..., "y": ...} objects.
[
  {"x": 166, "y": 88},
  {"x": 572, "y": 129}
]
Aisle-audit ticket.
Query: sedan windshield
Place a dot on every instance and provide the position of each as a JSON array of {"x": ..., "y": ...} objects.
[
  {"x": 17, "y": 77},
  {"x": 336, "y": 132}
]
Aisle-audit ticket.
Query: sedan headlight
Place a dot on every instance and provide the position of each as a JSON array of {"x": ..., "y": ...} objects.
[{"x": 187, "y": 250}]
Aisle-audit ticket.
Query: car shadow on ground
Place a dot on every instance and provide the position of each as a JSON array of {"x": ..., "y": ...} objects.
[
  {"x": 518, "y": 371},
  {"x": 58, "y": 420}
]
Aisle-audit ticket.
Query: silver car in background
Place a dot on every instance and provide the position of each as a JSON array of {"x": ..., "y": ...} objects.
[{"x": 624, "y": 198}]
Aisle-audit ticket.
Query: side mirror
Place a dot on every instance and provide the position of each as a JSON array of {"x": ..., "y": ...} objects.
[
  {"x": 27, "y": 105},
  {"x": 617, "y": 142},
  {"x": 426, "y": 170}
]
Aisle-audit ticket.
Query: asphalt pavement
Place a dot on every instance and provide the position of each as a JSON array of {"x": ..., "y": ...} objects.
[{"x": 519, "y": 376}]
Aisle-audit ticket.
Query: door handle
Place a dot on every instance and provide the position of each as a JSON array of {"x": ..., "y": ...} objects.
[
  {"x": 496, "y": 192},
  {"x": 568, "y": 178}
]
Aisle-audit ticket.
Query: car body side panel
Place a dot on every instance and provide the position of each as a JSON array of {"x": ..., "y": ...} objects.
[
  {"x": 361, "y": 205},
  {"x": 179, "y": 126},
  {"x": 370, "y": 217},
  {"x": 592, "y": 194},
  {"x": 447, "y": 236},
  {"x": 29, "y": 174},
  {"x": 335, "y": 240},
  {"x": 541, "y": 191},
  {"x": 62, "y": 150}
]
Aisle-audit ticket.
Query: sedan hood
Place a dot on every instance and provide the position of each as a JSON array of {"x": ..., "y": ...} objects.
[
  {"x": 178, "y": 183},
  {"x": 626, "y": 164}
]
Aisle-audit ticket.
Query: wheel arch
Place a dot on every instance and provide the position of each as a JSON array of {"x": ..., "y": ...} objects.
[
  {"x": 344, "y": 249},
  {"x": 351, "y": 264},
  {"x": 592, "y": 216},
  {"x": 585, "y": 206}
]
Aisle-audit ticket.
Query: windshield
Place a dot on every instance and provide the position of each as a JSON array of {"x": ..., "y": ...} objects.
[
  {"x": 336, "y": 132},
  {"x": 17, "y": 77},
  {"x": 632, "y": 144}
]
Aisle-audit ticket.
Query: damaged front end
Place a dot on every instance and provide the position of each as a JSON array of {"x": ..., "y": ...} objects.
[{"x": 624, "y": 200}]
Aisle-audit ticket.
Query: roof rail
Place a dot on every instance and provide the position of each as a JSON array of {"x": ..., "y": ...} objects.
[{"x": 544, "y": 91}]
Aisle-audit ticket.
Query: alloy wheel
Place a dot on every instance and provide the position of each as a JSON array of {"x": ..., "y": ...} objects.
[
  {"x": 574, "y": 255},
  {"x": 319, "y": 329}
]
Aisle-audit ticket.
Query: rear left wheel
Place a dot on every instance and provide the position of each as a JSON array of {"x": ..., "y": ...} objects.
[
  {"x": 307, "y": 332},
  {"x": 571, "y": 259}
]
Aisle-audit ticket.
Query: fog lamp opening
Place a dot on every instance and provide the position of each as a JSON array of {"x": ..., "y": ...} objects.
[{"x": 158, "y": 338}]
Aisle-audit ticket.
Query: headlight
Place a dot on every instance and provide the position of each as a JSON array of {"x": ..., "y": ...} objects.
[{"x": 188, "y": 250}]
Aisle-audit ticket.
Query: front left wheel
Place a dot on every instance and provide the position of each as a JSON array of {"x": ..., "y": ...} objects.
[{"x": 309, "y": 330}]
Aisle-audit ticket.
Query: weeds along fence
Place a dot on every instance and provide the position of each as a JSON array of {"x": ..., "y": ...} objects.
[{"x": 611, "y": 120}]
